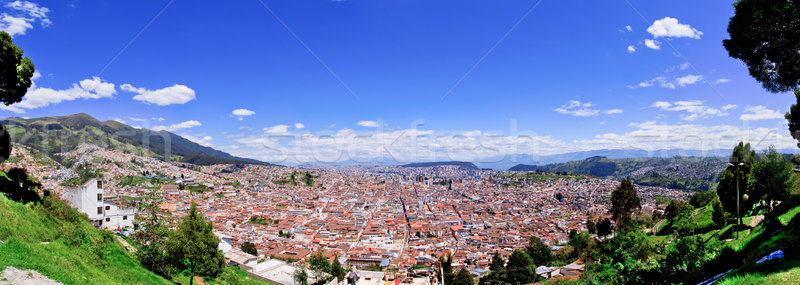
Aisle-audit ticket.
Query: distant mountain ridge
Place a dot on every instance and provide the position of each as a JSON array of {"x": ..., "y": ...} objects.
[
  {"x": 65, "y": 133},
  {"x": 463, "y": 164},
  {"x": 687, "y": 173}
]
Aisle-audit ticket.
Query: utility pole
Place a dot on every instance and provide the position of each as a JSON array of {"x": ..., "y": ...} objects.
[{"x": 738, "y": 216}]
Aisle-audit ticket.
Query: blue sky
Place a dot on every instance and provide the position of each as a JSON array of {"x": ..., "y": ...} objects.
[{"x": 324, "y": 81}]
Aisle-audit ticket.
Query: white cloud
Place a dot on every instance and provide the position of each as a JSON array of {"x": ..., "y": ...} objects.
[
  {"x": 684, "y": 66},
  {"x": 204, "y": 141},
  {"x": 178, "y": 126},
  {"x": 631, "y": 49},
  {"x": 121, "y": 121},
  {"x": 277, "y": 129},
  {"x": 23, "y": 14},
  {"x": 299, "y": 126},
  {"x": 688, "y": 80},
  {"x": 583, "y": 109},
  {"x": 760, "y": 113},
  {"x": 653, "y": 44},
  {"x": 14, "y": 25},
  {"x": 368, "y": 124},
  {"x": 175, "y": 94},
  {"x": 728, "y": 107},
  {"x": 628, "y": 28},
  {"x": 722, "y": 80},
  {"x": 30, "y": 8},
  {"x": 241, "y": 113},
  {"x": 474, "y": 133},
  {"x": 694, "y": 109},
  {"x": 652, "y": 136},
  {"x": 663, "y": 82},
  {"x": 660, "y": 81},
  {"x": 37, "y": 97},
  {"x": 669, "y": 27}
]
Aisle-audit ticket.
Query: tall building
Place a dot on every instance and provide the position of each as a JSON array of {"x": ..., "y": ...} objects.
[{"x": 88, "y": 199}]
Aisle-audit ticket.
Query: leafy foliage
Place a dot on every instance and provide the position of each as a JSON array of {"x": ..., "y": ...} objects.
[
  {"x": 463, "y": 278},
  {"x": 623, "y": 202},
  {"x": 15, "y": 71},
  {"x": 17, "y": 186},
  {"x": 770, "y": 179},
  {"x": 194, "y": 246},
  {"x": 539, "y": 252},
  {"x": 736, "y": 175},
  {"x": 249, "y": 248},
  {"x": 764, "y": 35}
]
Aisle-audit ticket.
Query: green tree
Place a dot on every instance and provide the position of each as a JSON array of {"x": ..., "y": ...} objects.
[
  {"x": 623, "y": 202},
  {"x": 539, "y": 252},
  {"x": 496, "y": 273},
  {"x": 498, "y": 263},
  {"x": 764, "y": 35},
  {"x": 320, "y": 266},
  {"x": 675, "y": 209},
  {"x": 463, "y": 278},
  {"x": 685, "y": 258},
  {"x": 17, "y": 186},
  {"x": 447, "y": 268},
  {"x": 301, "y": 276},
  {"x": 194, "y": 246},
  {"x": 15, "y": 79},
  {"x": 718, "y": 215},
  {"x": 771, "y": 179},
  {"x": 737, "y": 173},
  {"x": 152, "y": 235},
  {"x": 604, "y": 227},
  {"x": 520, "y": 268},
  {"x": 337, "y": 270},
  {"x": 15, "y": 71},
  {"x": 249, "y": 248},
  {"x": 702, "y": 198}
]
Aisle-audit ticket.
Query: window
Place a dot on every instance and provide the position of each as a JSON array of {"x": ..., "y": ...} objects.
[
  {"x": 99, "y": 184},
  {"x": 99, "y": 197},
  {"x": 124, "y": 217},
  {"x": 99, "y": 210},
  {"x": 108, "y": 219},
  {"x": 108, "y": 208}
]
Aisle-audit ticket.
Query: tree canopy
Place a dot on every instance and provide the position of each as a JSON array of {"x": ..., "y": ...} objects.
[
  {"x": 623, "y": 201},
  {"x": 765, "y": 35},
  {"x": 15, "y": 71},
  {"x": 463, "y": 278},
  {"x": 194, "y": 245},
  {"x": 771, "y": 179},
  {"x": 539, "y": 252},
  {"x": 736, "y": 174},
  {"x": 249, "y": 248}
]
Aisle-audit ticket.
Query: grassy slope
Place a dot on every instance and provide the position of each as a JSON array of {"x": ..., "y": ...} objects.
[
  {"x": 764, "y": 239},
  {"x": 96, "y": 258}
]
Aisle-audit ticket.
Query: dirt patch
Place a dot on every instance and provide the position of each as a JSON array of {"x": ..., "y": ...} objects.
[{"x": 12, "y": 275}]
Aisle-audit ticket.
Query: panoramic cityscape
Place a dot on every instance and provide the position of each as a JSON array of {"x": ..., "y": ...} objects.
[{"x": 334, "y": 142}]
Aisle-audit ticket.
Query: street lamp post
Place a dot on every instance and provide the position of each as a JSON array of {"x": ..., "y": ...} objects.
[{"x": 736, "y": 177}]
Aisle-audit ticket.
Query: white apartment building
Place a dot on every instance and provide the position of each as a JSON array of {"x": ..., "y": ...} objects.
[{"x": 88, "y": 199}]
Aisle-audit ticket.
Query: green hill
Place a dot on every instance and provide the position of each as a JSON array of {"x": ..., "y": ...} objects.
[
  {"x": 686, "y": 173},
  {"x": 65, "y": 133},
  {"x": 57, "y": 241}
]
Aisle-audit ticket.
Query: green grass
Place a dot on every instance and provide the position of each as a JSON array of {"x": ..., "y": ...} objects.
[
  {"x": 231, "y": 275},
  {"x": 75, "y": 252},
  {"x": 780, "y": 234}
]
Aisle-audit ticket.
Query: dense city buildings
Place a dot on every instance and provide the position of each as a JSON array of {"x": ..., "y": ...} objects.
[{"x": 389, "y": 217}]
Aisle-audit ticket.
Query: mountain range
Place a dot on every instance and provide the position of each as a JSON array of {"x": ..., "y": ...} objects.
[{"x": 60, "y": 134}]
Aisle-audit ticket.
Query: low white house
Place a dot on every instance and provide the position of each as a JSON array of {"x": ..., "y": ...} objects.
[{"x": 88, "y": 199}]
